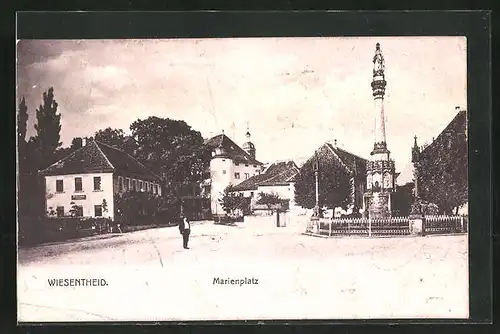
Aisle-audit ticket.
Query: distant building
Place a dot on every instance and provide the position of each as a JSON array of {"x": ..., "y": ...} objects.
[
  {"x": 230, "y": 164},
  {"x": 333, "y": 158},
  {"x": 277, "y": 178},
  {"x": 87, "y": 181}
]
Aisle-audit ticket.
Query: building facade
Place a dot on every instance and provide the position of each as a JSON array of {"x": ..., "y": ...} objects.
[
  {"x": 277, "y": 178},
  {"x": 85, "y": 183},
  {"x": 230, "y": 165},
  {"x": 334, "y": 163}
]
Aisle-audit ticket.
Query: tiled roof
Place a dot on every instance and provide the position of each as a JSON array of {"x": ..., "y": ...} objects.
[
  {"x": 276, "y": 174},
  {"x": 97, "y": 157},
  {"x": 124, "y": 162},
  {"x": 351, "y": 161},
  {"x": 232, "y": 150}
]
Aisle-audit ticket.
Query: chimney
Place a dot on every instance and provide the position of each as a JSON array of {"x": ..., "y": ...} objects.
[
  {"x": 84, "y": 142},
  {"x": 457, "y": 107},
  {"x": 335, "y": 143}
]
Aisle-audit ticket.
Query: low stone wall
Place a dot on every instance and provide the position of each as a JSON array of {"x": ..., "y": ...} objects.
[{"x": 268, "y": 220}]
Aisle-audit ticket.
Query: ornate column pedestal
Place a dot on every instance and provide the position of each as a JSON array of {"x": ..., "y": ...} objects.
[{"x": 378, "y": 204}]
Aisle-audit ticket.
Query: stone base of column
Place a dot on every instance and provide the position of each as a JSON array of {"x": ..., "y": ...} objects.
[{"x": 378, "y": 204}]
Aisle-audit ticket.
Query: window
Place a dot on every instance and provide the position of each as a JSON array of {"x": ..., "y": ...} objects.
[
  {"x": 120, "y": 183},
  {"x": 255, "y": 166},
  {"x": 236, "y": 164},
  {"x": 60, "y": 211},
  {"x": 59, "y": 186},
  {"x": 134, "y": 185},
  {"x": 156, "y": 189},
  {"x": 97, "y": 183},
  {"x": 251, "y": 194},
  {"x": 246, "y": 165},
  {"x": 141, "y": 186},
  {"x": 247, "y": 176},
  {"x": 78, "y": 184},
  {"x": 98, "y": 210},
  {"x": 128, "y": 184},
  {"x": 237, "y": 175},
  {"x": 223, "y": 171}
]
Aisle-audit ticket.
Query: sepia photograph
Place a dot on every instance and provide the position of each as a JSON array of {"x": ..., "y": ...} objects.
[{"x": 292, "y": 178}]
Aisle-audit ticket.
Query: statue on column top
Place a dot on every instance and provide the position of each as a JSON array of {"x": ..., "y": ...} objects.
[{"x": 378, "y": 61}]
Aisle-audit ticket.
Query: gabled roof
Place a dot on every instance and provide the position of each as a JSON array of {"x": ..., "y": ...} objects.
[
  {"x": 232, "y": 150},
  {"x": 280, "y": 173},
  {"x": 352, "y": 162},
  {"x": 97, "y": 157}
]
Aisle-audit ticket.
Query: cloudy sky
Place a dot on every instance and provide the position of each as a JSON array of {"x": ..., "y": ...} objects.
[{"x": 294, "y": 93}]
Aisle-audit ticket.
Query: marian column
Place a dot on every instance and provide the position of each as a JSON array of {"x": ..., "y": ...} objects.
[{"x": 380, "y": 169}]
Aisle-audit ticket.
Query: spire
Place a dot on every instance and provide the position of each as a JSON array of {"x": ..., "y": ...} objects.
[{"x": 248, "y": 146}]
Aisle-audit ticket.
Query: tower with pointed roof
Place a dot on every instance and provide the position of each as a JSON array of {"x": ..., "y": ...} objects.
[{"x": 248, "y": 146}]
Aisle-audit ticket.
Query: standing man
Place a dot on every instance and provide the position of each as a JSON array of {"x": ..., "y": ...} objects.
[{"x": 185, "y": 229}]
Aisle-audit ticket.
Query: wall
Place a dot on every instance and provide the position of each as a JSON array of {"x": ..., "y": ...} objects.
[
  {"x": 219, "y": 180},
  {"x": 92, "y": 197},
  {"x": 116, "y": 186},
  {"x": 242, "y": 169},
  {"x": 284, "y": 191}
]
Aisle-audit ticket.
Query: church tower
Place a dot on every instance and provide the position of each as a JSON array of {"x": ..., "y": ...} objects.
[
  {"x": 380, "y": 169},
  {"x": 248, "y": 146}
]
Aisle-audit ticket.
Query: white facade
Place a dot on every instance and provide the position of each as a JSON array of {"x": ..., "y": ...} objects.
[
  {"x": 223, "y": 172},
  {"x": 284, "y": 191},
  {"x": 88, "y": 197},
  {"x": 95, "y": 187}
]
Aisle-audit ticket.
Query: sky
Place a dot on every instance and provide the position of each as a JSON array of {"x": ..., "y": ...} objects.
[{"x": 292, "y": 93}]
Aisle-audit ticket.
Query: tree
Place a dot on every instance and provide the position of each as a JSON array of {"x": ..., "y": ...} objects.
[
  {"x": 403, "y": 199},
  {"x": 270, "y": 200},
  {"x": 333, "y": 180},
  {"x": 231, "y": 201},
  {"x": 442, "y": 171},
  {"x": 22, "y": 121},
  {"x": 48, "y": 128},
  {"x": 171, "y": 149},
  {"x": 116, "y": 138}
]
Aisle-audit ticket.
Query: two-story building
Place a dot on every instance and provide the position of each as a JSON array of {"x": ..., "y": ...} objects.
[
  {"x": 85, "y": 182},
  {"x": 230, "y": 164}
]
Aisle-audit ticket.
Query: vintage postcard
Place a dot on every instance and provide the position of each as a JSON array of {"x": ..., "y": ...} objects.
[{"x": 242, "y": 179}]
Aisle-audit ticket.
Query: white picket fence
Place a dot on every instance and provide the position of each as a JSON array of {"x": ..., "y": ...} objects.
[
  {"x": 384, "y": 226},
  {"x": 445, "y": 224}
]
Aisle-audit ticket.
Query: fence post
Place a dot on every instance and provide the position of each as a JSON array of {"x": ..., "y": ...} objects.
[
  {"x": 424, "y": 223},
  {"x": 369, "y": 227},
  {"x": 462, "y": 224},
  {"x": 330, "y": 229}
]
